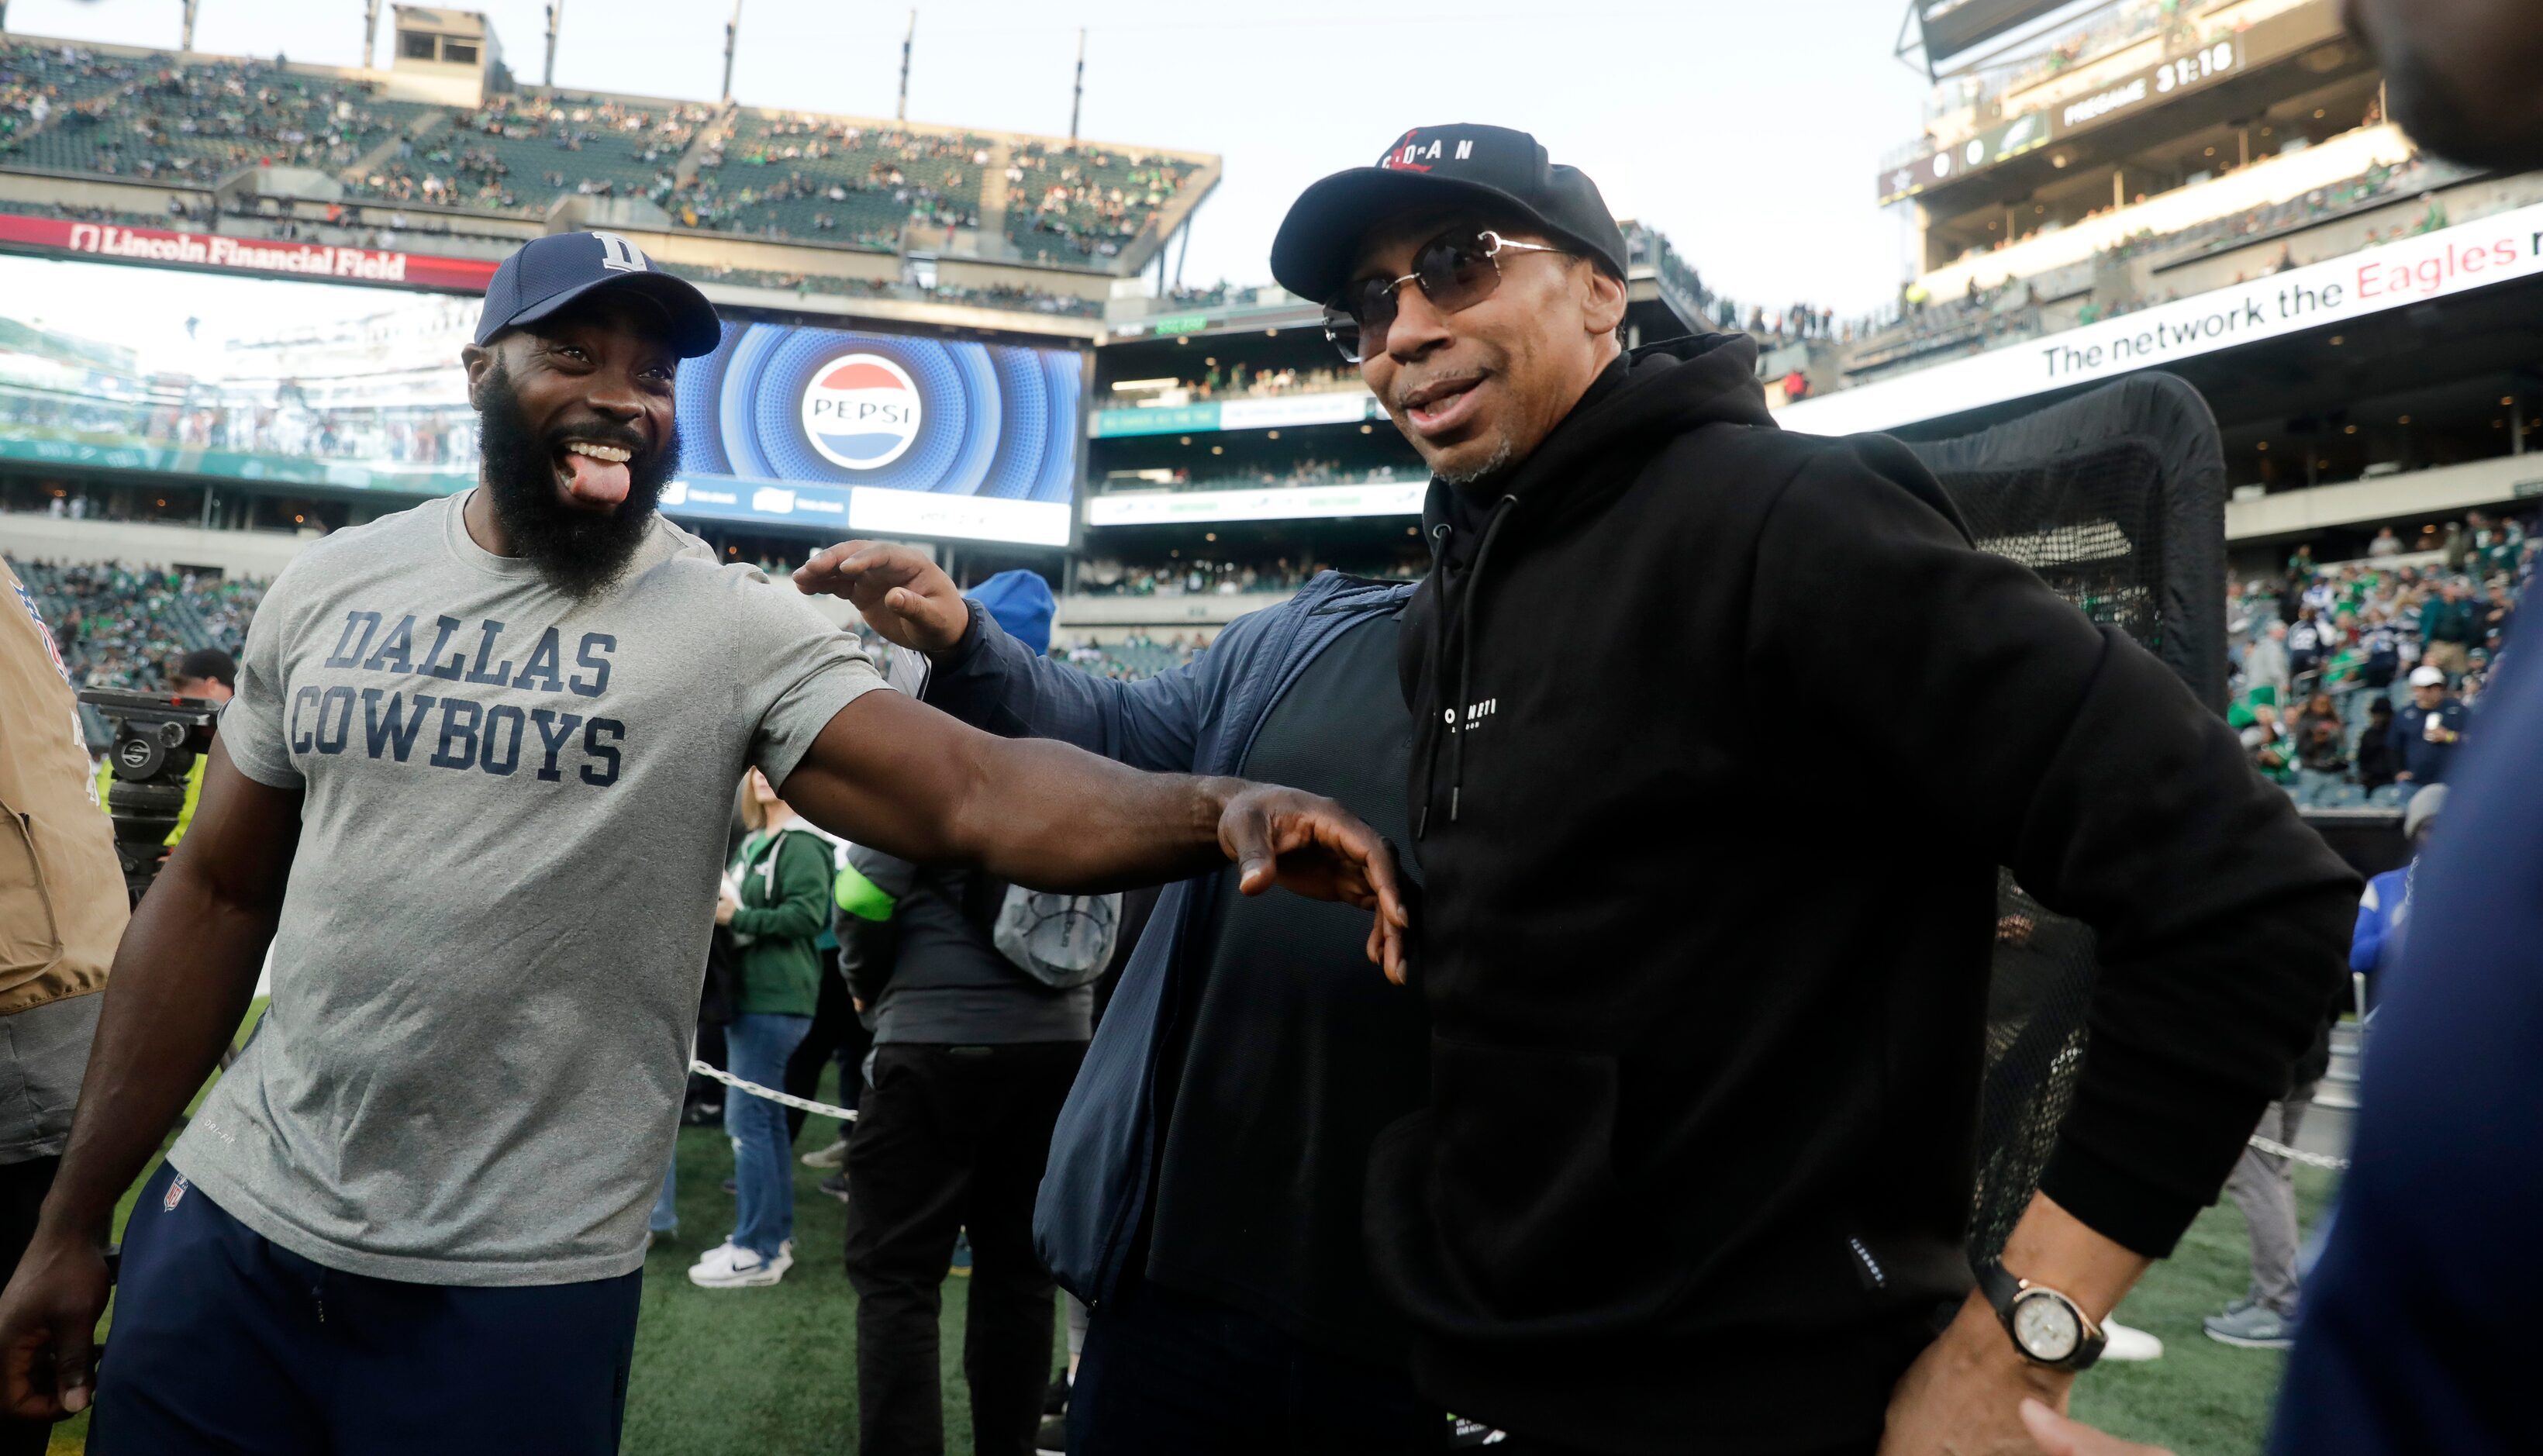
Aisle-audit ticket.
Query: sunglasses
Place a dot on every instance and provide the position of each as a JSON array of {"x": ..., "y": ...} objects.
[{"x": 1455, "y": 274}]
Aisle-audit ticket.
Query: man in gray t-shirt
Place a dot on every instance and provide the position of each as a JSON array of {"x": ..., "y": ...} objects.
[{"x": 473, "y": 789}]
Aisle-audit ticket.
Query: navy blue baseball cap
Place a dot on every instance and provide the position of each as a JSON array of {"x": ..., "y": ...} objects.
[
  {"x": 1440, "y": 167},
  {"x": 547, "y": 274}
]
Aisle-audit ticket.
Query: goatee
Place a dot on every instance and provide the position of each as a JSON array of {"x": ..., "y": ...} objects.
[{"x": 580, "y": 553}]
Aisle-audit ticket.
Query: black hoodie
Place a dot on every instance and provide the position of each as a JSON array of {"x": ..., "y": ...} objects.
[{"x": 1748, "y": 726}]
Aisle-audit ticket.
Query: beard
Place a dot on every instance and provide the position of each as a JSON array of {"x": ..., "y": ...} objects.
[
  {"x": 580, "y": 553},
  {"x": 1490, "y": 465}
]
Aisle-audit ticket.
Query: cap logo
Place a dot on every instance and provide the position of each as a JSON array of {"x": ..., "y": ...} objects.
[
  {"x": 1412, "y": 155},
  {"x": 861, "y": 412},
  {"x": 618, "y": 253}
]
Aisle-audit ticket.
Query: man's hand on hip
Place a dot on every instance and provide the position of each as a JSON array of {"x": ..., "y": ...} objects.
[
  {"x": 1963, "y": 1395},
  {"x": 900, "y": 593}
]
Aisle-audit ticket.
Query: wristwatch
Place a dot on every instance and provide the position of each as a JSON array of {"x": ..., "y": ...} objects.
[{"x": 2047, "y": 1328}]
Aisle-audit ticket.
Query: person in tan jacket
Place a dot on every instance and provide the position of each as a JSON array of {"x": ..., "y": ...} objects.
[{"x": 62, "y": 910}]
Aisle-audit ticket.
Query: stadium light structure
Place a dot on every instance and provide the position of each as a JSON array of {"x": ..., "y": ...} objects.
[
  {"x": 186, "y": 37},
  {"x": 556, "y": 12},
  {"x": 731, "y": 29},
  {"x": 370, "y": 28},
  {"x": 904, "y": 113},
  {"x": 1077, "y": 94}
]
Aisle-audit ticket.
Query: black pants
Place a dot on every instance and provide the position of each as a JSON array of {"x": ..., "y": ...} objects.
[
  {"x": 951, "y": 1138},
  {"x": 22, "y": 1187},
  {"x": 835, "y": 1032},
  {"x": 1167, "y": 1373}
]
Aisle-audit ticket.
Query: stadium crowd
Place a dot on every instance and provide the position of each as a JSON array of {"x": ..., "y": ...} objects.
[
  {"x": 2353, "y": 678},
  {"x": 121, "y": 626}
]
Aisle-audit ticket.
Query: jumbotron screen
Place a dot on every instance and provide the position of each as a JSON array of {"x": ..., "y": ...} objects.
[{"x": 283, "y": 381}]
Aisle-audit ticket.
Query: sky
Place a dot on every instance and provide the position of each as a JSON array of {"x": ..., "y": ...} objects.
[{"x": 1749, "y": 131}]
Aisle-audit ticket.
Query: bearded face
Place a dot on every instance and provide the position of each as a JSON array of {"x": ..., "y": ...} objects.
[{"x": 576, "y": 496}]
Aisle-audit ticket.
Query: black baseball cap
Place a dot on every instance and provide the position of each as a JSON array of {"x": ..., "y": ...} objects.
[
  {"x": 1440, "y": 167},
  {"x": 546, "y": 274},
  {"x": 208, "y": 663}
]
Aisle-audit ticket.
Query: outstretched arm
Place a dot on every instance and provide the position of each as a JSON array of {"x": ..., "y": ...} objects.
[
  {"x": 909, "y": 781},
  {"x": 181, "y": 983},
  {"x": 991, "y": 681}
]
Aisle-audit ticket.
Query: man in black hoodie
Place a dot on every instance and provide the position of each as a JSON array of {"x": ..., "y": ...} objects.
[{"x": 1709, "y": 984}]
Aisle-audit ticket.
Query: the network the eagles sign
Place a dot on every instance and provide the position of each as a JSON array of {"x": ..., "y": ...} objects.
[
  {"x": 218, "y": 252},
  {"x": 2454, "y": 260}
]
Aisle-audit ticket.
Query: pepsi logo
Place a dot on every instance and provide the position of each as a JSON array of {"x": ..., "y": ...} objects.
[{"x": 861, "y": 412}]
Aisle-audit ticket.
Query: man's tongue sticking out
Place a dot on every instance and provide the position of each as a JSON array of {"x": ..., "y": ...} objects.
[{"x": 593, "y": 482}]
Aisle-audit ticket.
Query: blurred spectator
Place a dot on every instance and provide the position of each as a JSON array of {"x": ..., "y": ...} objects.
[
  {"x": 2448, "y": 626},
  {"x": 2425, "y": 732},
  {"x": 775, "y": 900}
]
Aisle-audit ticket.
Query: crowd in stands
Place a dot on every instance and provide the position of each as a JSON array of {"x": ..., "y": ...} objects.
[
  {"x": 1135, "y": 657},
  {"x": 39, "y": 81},
  {"x": 998, "y": 295},
  {"x": 1238, "y": 381},
  {"x": 1303, "y": 473},
  {"x": 798, "y": 177},
  {"x": 2352, "y": 679},
  {"x": 119, "y": 626},
  {"x": 281, "y": 424},
  {"x": 1072, "y": 202},
  {"x": 1231, "y": 578},
  {"x": 191, "y": 122}
]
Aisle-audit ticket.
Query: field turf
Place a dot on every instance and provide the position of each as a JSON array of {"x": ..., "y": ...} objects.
[{"x": 771, "y": 1372}]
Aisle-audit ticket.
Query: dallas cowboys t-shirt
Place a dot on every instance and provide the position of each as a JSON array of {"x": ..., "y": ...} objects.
[{"x": 491, "y": 942}]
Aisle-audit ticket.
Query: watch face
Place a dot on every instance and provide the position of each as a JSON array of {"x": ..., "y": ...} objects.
[{"x": 2045, "y": 1327}]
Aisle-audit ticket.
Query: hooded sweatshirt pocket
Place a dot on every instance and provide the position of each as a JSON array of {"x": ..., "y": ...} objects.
[{"x": 1531, "y": 1216}]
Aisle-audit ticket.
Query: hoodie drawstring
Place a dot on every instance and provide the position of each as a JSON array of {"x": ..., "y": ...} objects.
[
  {"x": 1439, "y": 664},
  {"x": 1441, "y": 636}
]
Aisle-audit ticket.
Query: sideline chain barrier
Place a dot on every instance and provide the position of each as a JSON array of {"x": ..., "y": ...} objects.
[
  {"x": 786, "y": 1099},
  {"x": 2281, "y": 1150},
  {"x": 783, "y": 1098}
]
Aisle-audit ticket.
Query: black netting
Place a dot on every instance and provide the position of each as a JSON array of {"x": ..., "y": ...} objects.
[{"x": 2117, "y": 499}]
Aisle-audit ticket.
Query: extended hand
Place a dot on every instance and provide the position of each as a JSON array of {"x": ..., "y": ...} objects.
[
  {"x": 900, "y": 593},
  {"x": 49, "y": 1330},
  {"x": 1316, "y": 848},
  {"x": 1963, "y": 1395}
]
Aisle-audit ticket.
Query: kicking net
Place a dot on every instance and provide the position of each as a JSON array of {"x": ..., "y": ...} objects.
[{"x": 2117, "y": 498}]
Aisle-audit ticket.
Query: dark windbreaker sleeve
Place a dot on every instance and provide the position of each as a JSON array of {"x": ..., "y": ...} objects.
[
  {"x": 997, "y": 683},
  {"x": 2091, "y": 772}
]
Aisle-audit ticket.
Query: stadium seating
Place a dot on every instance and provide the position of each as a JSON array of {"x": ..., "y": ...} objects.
[
  {"x": 196, "y": 122},
  {"x": 40, "y": 80},
  {"x": 827, "y": 178},
  {"x": 118, "y": 626},
  {"x": 521, "y": 150},
  {"x": 1074, "y": 204}
]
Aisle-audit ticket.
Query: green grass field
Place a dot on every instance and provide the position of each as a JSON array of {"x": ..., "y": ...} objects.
[{"x": 772, "y": 1372}]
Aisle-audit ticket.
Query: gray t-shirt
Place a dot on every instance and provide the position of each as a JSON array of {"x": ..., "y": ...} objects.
[{"x": 491, "y": 943}]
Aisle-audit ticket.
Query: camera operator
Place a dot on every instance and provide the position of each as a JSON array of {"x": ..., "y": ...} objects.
[
  {"x": 207, "y": 674},
  {"x": 61, "y": 912}
]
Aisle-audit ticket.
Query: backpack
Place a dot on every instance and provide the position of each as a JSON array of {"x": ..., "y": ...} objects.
[{"x": 1062, "y": 941}]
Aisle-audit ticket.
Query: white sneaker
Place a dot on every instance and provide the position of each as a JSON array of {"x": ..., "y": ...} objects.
[
  {"x": 2128, "y": 1343},
  {"x": 724, "y": 1255},
  {"x": 742, "y": 1269},
  {"x": 833, "y": 1155}
]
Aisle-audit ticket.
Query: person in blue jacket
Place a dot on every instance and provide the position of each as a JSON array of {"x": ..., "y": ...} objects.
[
  {"x": 1207, "y": 1176},
  {"x": 2386, "y": 904}
]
